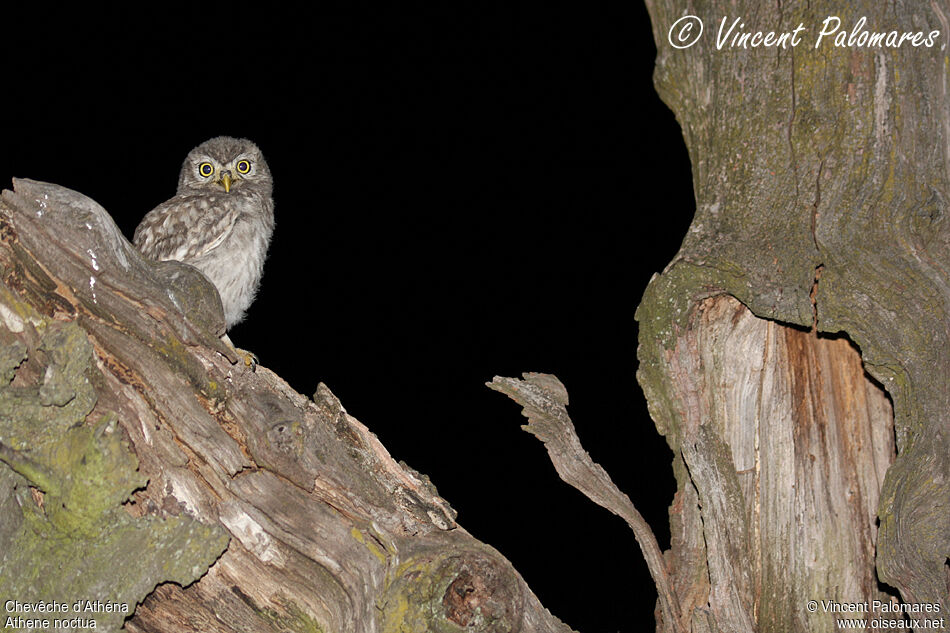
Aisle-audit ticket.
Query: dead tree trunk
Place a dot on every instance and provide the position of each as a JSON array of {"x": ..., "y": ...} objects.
[
  {"x": 821, "y": 239},
  {"x": 135, "y": 454}
]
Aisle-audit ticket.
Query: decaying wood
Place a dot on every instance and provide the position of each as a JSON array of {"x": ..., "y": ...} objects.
[
  {"x": 290, "y": 511},
  {"x": 785, "y": 441}
]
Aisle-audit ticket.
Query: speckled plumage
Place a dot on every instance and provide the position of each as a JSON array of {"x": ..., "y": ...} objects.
[{"x": 219, "y": 223}]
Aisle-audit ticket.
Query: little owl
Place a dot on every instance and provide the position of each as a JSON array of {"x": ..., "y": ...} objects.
[{"x": 220, "y": 221}]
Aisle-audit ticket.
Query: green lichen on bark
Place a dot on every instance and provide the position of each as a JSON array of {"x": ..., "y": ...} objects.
[
  {"x": 662, "y": 315},
  {"x": 65, "y": 473},
  {"x": 293, "y": 619},
  {"x": 445, "y": 593},
  {"x": 413, "y": 601},
  {"x": 176, "y": 355}
]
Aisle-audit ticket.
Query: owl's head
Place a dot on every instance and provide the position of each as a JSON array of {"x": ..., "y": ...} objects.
[{"x": 224, "y": 164}]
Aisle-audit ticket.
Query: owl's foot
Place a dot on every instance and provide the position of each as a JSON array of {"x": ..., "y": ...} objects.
[{"x": 248, "y": 359}]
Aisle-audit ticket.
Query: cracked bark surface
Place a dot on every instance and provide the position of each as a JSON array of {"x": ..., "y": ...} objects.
[
  {"x": 821, "y": 180},
  {"x": 135, "y": 453}
]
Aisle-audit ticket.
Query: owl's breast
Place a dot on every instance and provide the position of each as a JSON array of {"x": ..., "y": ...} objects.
[{"x": 234, "y": 260}]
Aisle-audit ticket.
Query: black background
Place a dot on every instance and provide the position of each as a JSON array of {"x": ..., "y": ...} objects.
[{"x": 461, "y": 191}]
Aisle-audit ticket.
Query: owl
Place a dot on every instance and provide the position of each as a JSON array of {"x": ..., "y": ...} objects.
[{"x": 220, "y": 221}]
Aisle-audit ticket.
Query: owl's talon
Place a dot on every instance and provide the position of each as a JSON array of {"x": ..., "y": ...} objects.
[{"x": 248, "y": 359}]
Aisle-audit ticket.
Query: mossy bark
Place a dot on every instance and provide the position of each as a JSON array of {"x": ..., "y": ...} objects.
[{"x": 821, "y": 178}]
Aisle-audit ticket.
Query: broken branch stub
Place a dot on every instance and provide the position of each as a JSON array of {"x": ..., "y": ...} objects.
[{"x": 544, "y": 400}]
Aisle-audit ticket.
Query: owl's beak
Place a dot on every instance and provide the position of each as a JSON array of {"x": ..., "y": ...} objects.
[{"x": 225, "y": 181}]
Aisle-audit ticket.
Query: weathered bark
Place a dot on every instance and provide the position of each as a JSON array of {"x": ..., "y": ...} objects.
[
  {"x": 114, "y": 377},
  {"x": 821, "y": 178},
  {"x": 545, "y": 400}
]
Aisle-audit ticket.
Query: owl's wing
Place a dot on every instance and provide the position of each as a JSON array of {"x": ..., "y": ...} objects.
[{"x": 184, "y": 228}]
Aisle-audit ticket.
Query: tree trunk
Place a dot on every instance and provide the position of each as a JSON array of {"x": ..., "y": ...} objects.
[
  {"x": 810, "y": 295},
  {"x": 138, "y": 454}
]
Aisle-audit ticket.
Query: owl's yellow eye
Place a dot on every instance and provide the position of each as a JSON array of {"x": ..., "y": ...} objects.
[
  {"x": 243, "y": 166},
  {"x": 205, "y": 169}
]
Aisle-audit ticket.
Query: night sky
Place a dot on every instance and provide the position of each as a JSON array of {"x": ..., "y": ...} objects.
[{"x": 461, "y": 191}]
